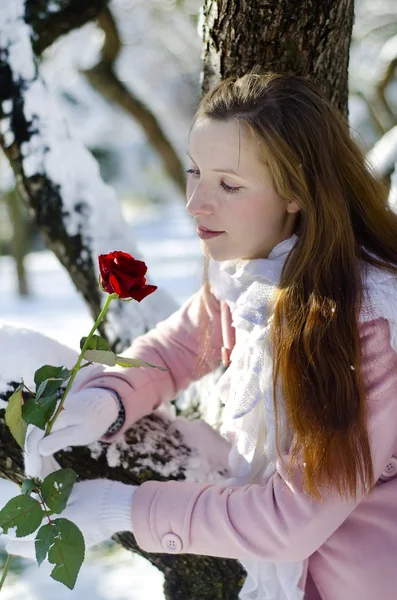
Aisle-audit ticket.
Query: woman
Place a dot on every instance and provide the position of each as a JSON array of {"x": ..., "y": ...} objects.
[{"x": 302, "y": 256}]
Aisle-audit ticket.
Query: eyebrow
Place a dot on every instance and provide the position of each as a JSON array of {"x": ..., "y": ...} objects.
[{"x": 231, "y": 171}]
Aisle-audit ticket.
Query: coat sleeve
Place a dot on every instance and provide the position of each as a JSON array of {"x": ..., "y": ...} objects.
[
  {"x": 175, "y": 344},
  {"x": 276, "y": 521}
]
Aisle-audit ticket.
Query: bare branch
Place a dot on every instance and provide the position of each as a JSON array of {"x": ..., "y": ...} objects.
[
  {"x": 112, "y": 44},
  {"x": 105, "y": 80}
]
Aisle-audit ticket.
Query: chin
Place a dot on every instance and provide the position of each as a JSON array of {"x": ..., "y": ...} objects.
[
  {"x": 219, "y": 255},
  {"x": 221, "y": 252}
]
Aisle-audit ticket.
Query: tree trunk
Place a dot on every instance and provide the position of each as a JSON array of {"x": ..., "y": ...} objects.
[
  {"x": 303, "y": 37},
  {"x": 309, "y": 38}
]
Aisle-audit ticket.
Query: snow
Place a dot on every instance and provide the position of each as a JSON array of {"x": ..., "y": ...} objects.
[
  {"x": 173, "y": 254},
  {"x": 118, "y": 575}
]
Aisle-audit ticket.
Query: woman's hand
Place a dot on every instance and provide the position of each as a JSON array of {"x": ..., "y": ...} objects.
[
  {"x": 99, "y": 507},
  {"x": 86, "y": 417}
]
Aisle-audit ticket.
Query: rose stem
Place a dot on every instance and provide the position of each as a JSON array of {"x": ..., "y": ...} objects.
[
  {"x": 5, "y": 570},
  {"x": 76, "y": 367}
]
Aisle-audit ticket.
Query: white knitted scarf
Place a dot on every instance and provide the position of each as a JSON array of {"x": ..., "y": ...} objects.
[{"x": 246, "y": 388}]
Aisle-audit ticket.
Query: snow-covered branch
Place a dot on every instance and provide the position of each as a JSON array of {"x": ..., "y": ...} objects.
[
  {"x": 383, "y": 155},
  {"x": 50, "y": 19},
  {"x": 59, "y": 180},
  {"x": 383, "y": 159}
]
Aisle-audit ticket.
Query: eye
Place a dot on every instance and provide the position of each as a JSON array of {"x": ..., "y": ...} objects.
[
  {"x": 229, "y": 188},
  {"x": 194, "y": 172}
]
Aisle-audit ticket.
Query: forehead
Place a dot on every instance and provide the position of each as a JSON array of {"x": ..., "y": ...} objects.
[{"x": 225, "y": 144}]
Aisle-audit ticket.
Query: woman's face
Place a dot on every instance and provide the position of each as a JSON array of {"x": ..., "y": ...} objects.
[{"x": 230, "y": 190}]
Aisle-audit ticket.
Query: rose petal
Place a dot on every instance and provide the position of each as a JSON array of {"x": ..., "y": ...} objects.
[
  {"x": 127, "y": 280},
  {"x": 119, "y": 287},
  {"x": 136, "y": 268},
  {"x": 141, "y": 292}
]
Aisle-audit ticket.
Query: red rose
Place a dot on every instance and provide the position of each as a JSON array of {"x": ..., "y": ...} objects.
[{"x": 122, "y": 274}]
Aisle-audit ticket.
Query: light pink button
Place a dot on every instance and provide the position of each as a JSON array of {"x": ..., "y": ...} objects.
[
  {"x": 390, "y": 469},
  {"x": 171, "y": 542}
]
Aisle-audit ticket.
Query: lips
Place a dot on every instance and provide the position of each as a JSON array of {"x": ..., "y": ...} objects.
[
  {"x": 207, "y": 234},
  {"x": 200, "y": 228}
]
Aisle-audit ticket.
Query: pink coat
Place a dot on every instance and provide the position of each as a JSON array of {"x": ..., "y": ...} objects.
[{"x": 349, "y": 547}]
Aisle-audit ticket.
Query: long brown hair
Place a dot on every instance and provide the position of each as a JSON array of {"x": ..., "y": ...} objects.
[{"x": 343, "y": 219}]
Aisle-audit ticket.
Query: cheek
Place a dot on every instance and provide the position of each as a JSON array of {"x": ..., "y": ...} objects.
[{"x": 265, "y": 208}]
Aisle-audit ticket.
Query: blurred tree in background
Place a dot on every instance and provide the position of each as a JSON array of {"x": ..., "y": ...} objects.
[{"x": 125, "y": 76}]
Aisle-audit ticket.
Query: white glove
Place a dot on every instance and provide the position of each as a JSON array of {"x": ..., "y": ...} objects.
[
  {"x": 86, "y": 417},
  {"x": 37, "y": 465},
  {"x": 99, "y": 507}
]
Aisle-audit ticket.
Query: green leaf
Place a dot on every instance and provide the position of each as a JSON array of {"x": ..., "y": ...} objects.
[
  {"x": 39, "y": 412},
  {"x": 28, "y": 485},
  {"x": 56, "y": 489},
  {"x": 95, "y": 343},
  {"x": 63, "y": 543},
  {"x": 22, "y": 512},
  {"x": 123, "y": 361},
  {"x": 49, "y": 379},
  {"x": 13, "y": 416},
  {"x": 50, "y": 372},
  {"x": 104, "y": 357}
]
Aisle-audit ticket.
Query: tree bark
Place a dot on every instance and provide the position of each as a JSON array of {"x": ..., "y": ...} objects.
[{"x": 303, "y": 37}]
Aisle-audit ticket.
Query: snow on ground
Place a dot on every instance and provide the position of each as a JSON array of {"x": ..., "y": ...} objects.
[{"x": 165, "y": 235}]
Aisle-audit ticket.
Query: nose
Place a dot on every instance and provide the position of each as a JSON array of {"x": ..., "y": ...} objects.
[{"x": 197, "y": 201}]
